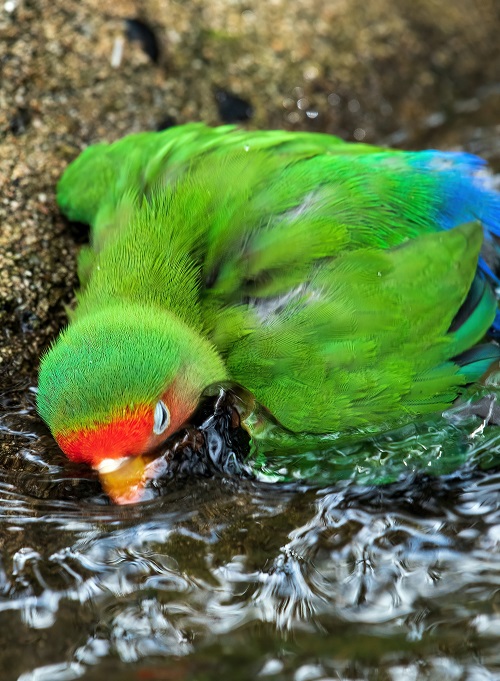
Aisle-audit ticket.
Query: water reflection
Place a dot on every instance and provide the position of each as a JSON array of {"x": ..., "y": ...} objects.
[{"x": 287, "y": 580}]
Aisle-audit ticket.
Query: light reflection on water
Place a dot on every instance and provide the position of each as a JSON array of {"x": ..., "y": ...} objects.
[{"x": 241, "y": 577}]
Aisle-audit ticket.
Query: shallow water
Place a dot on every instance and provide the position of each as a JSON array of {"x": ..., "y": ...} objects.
[{"x": 246, "y": 578}]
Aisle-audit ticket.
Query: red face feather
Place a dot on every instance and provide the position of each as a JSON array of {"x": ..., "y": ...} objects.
[
  {"x": 123, "y": 436},
  {"x": 127, "y": 435}
]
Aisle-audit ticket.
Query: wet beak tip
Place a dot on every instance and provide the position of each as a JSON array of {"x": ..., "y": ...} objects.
[{"x": 124, "y": 479}]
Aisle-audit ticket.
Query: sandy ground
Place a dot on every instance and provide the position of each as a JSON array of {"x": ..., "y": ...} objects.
[{"x": 413, "y": 73}]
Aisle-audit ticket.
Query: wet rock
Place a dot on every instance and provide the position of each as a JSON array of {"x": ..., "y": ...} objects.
[
  {"x": 165, "y": 123},
  {"x": 232, "y": 109},
  {"x": 20, "y": 121},
  {"x": 144, "y": 34}
]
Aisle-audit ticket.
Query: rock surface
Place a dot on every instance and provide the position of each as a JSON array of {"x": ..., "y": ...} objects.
[{"x": 414, "y": 73}]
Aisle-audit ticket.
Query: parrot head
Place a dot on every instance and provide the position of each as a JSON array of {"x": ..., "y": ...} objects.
[{"x": 119, "y": 382}]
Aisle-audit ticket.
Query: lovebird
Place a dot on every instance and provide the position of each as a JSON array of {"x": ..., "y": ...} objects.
[{"x": 345, "y": 286}]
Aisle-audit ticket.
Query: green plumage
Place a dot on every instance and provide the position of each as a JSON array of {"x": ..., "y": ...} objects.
[{"x": 315, "y": 273}]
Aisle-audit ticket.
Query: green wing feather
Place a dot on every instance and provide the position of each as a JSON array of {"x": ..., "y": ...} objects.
[
  {"x": 364, "y": 340},
  {"x": 317, "y": 268}
]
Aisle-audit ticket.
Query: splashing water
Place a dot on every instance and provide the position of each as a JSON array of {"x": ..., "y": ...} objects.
[{"x": 374, "y": 559}]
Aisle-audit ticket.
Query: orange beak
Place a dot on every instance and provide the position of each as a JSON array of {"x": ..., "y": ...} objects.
[{"x": 125, "y": 480}]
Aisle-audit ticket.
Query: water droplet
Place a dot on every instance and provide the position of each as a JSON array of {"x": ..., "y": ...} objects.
[
  {"x": 354, "y": 106},
  {"x": 435, "y": 120},
  {"x": 271, "y": 668},
  {"x": 311, "y": 72}
]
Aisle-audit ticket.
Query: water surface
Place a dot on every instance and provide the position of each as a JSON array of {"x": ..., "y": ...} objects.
[{"x": 227, "y": 576}]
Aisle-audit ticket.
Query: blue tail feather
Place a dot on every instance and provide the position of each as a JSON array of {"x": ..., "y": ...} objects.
[{"x": 466, "y": 195}]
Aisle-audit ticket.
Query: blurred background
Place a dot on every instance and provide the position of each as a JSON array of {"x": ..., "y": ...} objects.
[{"x": 411, "y": 73}]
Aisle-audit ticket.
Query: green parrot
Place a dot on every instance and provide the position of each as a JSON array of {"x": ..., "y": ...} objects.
[{"x": 341, "y": 284}]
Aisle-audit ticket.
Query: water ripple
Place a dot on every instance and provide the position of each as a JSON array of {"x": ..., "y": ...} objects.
[{"x": 359, "y": 576}]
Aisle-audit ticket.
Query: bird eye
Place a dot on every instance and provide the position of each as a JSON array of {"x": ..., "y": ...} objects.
[{"x": 161, "y": 418}]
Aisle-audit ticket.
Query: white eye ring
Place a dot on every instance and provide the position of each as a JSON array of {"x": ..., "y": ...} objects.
[{"x": 161, "y": 418}]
